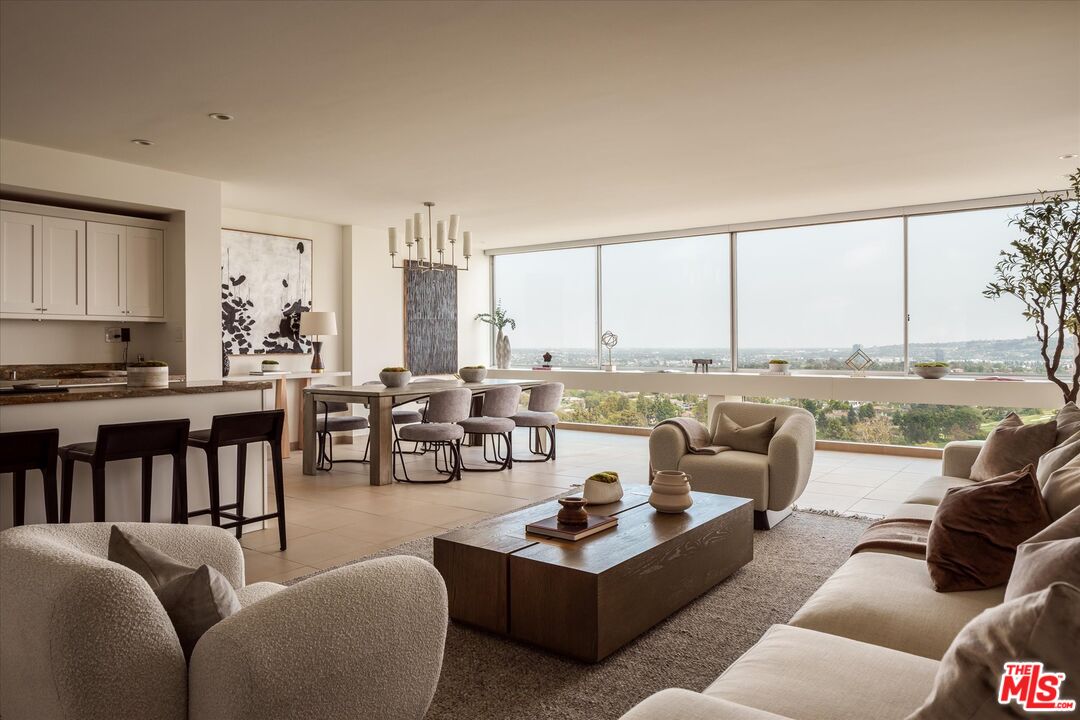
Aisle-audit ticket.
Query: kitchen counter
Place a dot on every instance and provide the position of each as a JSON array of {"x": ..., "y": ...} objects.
[{"x": 116, "y": 392}]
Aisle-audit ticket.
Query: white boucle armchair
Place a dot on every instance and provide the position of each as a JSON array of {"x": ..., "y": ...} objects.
[
  {"x": 82, "y": 637},
  {"x": 774, "y": 481}
]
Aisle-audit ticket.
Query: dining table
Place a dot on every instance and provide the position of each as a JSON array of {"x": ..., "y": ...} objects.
[{"x": 380, "y": 401}]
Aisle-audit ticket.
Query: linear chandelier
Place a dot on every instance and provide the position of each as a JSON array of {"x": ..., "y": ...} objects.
[{"x": 434, "y": 243}]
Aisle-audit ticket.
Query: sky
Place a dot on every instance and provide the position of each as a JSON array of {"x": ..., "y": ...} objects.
[{"x": 819, "y": 286}]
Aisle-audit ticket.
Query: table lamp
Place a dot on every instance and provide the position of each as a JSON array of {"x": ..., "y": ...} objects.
[{"x": 317, "y": 324}]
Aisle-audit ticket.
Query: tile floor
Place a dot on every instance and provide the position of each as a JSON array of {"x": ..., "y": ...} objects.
[{"x": 337, "y": 517}]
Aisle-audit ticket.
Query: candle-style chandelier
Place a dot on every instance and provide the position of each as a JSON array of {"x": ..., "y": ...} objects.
[{"x": 434, "y": 244}]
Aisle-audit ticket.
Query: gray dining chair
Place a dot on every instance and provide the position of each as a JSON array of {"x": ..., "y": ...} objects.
[
  {"x": 327, "y": 424},
  {"x": 544, "y": 400},
  {"x": 499, "y": 406},
  {"x": 441, "y": 431}
]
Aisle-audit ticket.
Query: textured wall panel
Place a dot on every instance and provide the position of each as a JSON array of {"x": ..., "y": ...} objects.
[{"x": 431, "y": 338}]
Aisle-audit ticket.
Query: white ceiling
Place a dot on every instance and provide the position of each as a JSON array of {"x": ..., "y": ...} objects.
[{"x": 552, "y": 121}]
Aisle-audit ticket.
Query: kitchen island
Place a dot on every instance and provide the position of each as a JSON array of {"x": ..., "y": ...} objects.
[{"x": 78, "y": 411}]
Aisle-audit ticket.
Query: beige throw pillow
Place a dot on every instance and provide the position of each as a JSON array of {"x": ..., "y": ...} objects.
[
  {"x": 1051, "y": 555},
  {"x": 1012, "y": 445},
  {"x": 1061, "y": 491},
  {"x": 1068, "y": 422},
  {"x": 1042, "y": 627},
  {"x": 1057, "y": 457},
  {"x": 194, "y": 598},
  {"x": 752, "y": 438}
]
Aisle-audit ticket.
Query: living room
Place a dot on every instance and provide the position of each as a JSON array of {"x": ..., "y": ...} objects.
[{"x": 533, "y": 359}]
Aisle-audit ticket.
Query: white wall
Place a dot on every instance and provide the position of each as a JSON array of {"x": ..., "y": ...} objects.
[
  {"x": 29, "y": 342},
  {"x": 191, "y": 338},
  {"x": 376, "y": 322}
]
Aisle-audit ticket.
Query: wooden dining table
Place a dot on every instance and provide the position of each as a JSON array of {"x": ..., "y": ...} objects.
[{"x": 381, "y": 401}]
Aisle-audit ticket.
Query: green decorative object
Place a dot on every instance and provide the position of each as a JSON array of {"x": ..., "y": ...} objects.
[{"x": 602, "y": 488}]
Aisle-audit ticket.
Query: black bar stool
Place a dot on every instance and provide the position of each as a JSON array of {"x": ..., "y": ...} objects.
[
  {"x": 30, "y": 450},
  {"x": 240, "y": 430},
  {"x": 127, "y": 441}
]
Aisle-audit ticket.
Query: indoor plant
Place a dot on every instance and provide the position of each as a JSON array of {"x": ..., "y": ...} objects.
[
  {"x": 602, "y": 488},
  {"x": 1042, "y": 270},
  {"x": 931, "y": 370},
  {"x": 778, "y": 366},
  {"x": 498, "y": 319},
  {"x": 148, "y": 374},
  {"x": 395, "y": 377},
  {"x": 270, "y": 366},
  {"x": 473, "y": 373}
]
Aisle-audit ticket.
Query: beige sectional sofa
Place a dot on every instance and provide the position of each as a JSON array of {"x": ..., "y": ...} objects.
[{"x": 866, "y": 645}]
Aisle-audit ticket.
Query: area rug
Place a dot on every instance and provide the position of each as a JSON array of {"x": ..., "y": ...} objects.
[{"x": 489, "y": 677}]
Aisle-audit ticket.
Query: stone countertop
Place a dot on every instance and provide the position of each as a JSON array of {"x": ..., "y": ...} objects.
[{"x": 119, "y": 392}]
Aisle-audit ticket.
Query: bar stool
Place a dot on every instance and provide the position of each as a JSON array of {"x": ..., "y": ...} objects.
[
  {"x": 240, "y": 430},
  {"x": 440, "y": 430},
  {"x": 30, "y": 450},
  {"x": 500, "y": 404},
  {"x": 326, "y": 424},
  {"x": 544, "y": 400},
  {"x": 127, "y": 441}
]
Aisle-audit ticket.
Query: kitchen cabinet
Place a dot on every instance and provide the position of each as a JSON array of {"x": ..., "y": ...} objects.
[
  {"x": 125, "y": 275},
  {"x": 42, "y": 265}
]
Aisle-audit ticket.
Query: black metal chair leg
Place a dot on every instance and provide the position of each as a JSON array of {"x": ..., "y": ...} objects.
[
  {"x": 98, "y": 478},
  {"x": 279, "y": 491},
  {"x": 147, "y": 487},
  {"x": 18, "y": 492},
  {"x": 241, "y": 484},
  {"x": 67, "y": 478}
]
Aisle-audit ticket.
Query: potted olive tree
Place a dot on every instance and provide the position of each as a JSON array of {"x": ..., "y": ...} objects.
[{"x": 1042, "y": 270}]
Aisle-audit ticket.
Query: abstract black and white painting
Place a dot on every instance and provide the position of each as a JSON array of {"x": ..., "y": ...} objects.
[{"x": 265, "y": 285}]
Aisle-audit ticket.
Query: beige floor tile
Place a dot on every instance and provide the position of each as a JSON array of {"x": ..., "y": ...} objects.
[
  {"x": 291, "y": 575},
  {"x": 445, "y": 516},
  {"x": 268, "y": 538},
  {"x": 873, "y": 507},
  {"x": 259, "y": 566},
  {"x": 889, "y": 494},
  {"x": 312, "y": 549},
  {"x": 818, "y": 501},
  {"x": 358, "y": 551},
  {"x": 823, "y": 487},
  {"x": 869, "y": 477},
  {"x": 379, "y": 528}
]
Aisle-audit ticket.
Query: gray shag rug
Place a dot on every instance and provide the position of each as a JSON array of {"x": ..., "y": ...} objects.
[{"x": 485, "y": 676}]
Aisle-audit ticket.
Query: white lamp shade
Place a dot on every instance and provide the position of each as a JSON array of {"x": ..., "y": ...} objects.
[{"x": 318, "y": 323}]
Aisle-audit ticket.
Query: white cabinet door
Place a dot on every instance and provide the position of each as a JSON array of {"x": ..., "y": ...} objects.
[
  {"x": 20, "y": 263},
  {"x": 105, "y": 270},
  {"x": 145, "y": 272},
  {"x": 63, "y": 273}
]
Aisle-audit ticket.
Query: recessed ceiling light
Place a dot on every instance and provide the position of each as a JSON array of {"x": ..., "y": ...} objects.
[
  {"x": 1070, "y": 156},
  {"x": 220, "y": 116},
  {"x": 140, "y": 141}
]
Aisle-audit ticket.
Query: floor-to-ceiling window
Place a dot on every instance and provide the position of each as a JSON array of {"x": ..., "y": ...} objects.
[
  {"x": 668, "y": 301},
  {"x": 552, "y": 297},
  {"x": 814, "y": 294},
  {"x": 951, "y": 258}
]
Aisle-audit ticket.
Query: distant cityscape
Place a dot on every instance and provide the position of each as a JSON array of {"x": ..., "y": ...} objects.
[
  {"x": 888, "y": 423},
  {"x": 1011, "y": 357}
]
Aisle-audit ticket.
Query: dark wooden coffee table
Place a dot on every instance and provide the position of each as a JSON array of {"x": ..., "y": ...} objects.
[{"x": 587, "y": 599}]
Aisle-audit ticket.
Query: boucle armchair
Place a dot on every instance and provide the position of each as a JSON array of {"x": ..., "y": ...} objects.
[
  {"x": 773, "y": 481},
  {"x": 84, "y": 637}
]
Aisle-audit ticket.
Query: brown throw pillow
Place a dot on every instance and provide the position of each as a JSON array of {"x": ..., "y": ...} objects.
[
  {"x": 1050, "y": 556},
  {"x": 1061, "y": 490},
  {"x": 194, "y": 598},
  {"x": 1012, "y": 445},
  {"x": 1040, "y": 627},
  {"x": 1058, "y": 457},
  {"x": 976, "y": 529},
  {"x": 1068, "y": 422},
  {"x": 752, "y": 438}
]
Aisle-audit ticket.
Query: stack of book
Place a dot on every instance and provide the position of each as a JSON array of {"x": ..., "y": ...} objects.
[{"x": 551, "y": 527}]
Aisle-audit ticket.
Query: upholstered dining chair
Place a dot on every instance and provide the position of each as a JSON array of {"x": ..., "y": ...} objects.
[
  {"x": 544, "y": 400},
  {"x": 499, "y": 406},
  {"x": 327, "y": 424},
  {"x": 441, "y": 430}
]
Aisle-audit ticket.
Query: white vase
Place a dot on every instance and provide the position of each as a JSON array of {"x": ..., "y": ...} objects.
[
  {"x": 148, "y": 377},
  {"x": 602, "y": 493},
  {"x": 502, "y": 351},
  {"x": 670, "y": 491}
]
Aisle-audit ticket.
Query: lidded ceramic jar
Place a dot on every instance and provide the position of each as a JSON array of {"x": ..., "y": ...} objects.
[{"x": 670, "y": 491}]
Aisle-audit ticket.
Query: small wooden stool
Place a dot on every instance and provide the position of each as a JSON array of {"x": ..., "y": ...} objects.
[
  {"x": 240, "y": 430},
  {"x": 30, "y": 450},
  {"x": 702, "y": 364},
  {"x": 127, "y": 441}
]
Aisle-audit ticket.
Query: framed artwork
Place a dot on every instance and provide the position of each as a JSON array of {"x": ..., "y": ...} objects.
[
  {"x": 431, "y": 322},
  {"x": 265, "y": 285}
]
